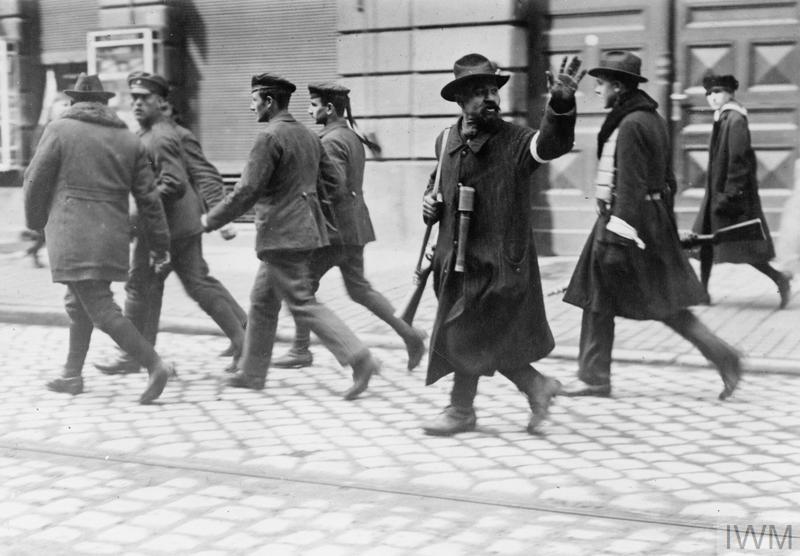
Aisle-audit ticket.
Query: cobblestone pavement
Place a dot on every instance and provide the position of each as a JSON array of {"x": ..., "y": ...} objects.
[{"x": 296, "y": 470}]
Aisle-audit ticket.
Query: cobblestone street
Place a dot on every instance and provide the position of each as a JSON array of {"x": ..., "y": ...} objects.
[{"x": 296, "y": 470}]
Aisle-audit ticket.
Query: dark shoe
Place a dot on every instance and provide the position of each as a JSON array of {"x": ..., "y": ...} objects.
[
  {"x": 578, "y": 387},
  {"x": 731, "y": 372},
  {"x": 452, "y": 420},
  {"x": 73, "y": 385},
  {"x": 362, "y": 372},
  {"x": 228, "y": 351},
  {"x": 415, "y": 345},
  {"x": 233, "y": 367},
  {"x": 785, "y": 289},
  {"x": 123, "y": 366},
  {"x": 294, "y": 359},
  {"x": 242, "y": 380},
  {"x": 159, "y": 375},
  {"x": 540, "y": 399}
]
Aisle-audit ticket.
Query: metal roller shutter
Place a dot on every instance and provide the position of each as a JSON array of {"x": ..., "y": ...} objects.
[{"x": 63, "y": 26}]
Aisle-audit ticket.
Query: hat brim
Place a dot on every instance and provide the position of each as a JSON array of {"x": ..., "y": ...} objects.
[
  {"x": 105, "y": 95},
  {"x": 597, "y": 72},
  {"x": 449, "y": 91}
]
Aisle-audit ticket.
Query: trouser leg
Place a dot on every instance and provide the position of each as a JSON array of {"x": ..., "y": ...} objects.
[
  {"x": 713, "y": 348},
  {"x": 322, "y": 260},
  {"x": 292, "y": 280},
  {"x": 262, "y": 323},
  {"x": 80, "y": 334},
  {"x": 706, "y": 262},
  {"x": 465, "y": 387},
  {"x": 208, "y": 292},
  {"x": 596, "y": 343},
  {"x": 97, "y": 300},
  {"x": 523, "y": 377}
]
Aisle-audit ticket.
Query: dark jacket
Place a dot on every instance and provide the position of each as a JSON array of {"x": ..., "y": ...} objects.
[
  {"x": 203, "y": 176},
  {"x": 77, "y": 188},
  {"x": 612, "y": 273},
  {"x": 732, "y": 188},
  {"x": 346, "y": 153},
  {"x": 492, "y": 316},
  {"x": 181, "y": 202},
  {"x": 280, "y": 180}
]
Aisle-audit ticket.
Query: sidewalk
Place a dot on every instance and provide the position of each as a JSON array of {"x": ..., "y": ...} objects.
[{"x": 743, "y": 311}]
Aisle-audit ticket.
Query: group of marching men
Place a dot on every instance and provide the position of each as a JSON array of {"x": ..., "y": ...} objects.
[{"x": 310, "y": 215}]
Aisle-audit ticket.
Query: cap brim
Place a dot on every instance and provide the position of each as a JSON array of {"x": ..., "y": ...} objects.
[
  {"x": 596, "y": 72},
  {"x": 138, "y": 90},
  {"x": 449, "y": 91}
]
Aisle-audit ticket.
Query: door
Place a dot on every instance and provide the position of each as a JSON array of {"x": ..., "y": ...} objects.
[{"x": 758, "y": 44}]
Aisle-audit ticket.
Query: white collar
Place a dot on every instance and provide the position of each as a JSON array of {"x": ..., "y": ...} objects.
[{"x": 735, "y": 106}]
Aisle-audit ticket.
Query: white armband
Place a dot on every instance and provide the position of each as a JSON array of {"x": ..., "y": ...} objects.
[{"x": 535, "y": 154}]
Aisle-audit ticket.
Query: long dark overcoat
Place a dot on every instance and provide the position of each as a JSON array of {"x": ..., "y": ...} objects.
[
  {"x": 280, "y": 181},
  {"x": 612, "y": 273},
  {"x": 346, "y": 153},
  {"x": 77, "y": 189},
  {"x": 492, "y": 316},
  {"x": 732, "y": 189}
]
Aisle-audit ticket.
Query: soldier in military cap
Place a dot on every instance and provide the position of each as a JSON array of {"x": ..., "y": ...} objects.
[
  {"x": 344, "y": 145},
  {"x": 281, "y": 180},
  {"x": 184, "y": 208}
]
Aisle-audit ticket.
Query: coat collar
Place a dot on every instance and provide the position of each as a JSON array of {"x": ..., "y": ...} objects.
[
  {"x": 95, "y": 113},
  {"x": 456, "y": 140},
  {"x": 284, "y": 116},
  {"x": 734, "y": 106},
  {"x": 338, "y": 124}
]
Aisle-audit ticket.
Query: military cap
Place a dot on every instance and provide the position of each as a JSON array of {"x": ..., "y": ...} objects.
[
  {"x": 141, "y": 82},
  {"x": 270, "y": 81},
  {"x": 328, "y": 89},
  {"x": 727, "y": 82}
]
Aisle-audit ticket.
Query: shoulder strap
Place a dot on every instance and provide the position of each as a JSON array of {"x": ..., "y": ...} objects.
[{"x": 438, "y": 178}]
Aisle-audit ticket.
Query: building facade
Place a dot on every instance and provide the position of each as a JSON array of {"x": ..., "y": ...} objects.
[{"x": 395, "y": 55}]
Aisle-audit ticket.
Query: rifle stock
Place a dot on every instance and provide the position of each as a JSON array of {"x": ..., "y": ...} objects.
[
  {"x": 748, "y": 230},
  {"x": 420, "y": 279}
]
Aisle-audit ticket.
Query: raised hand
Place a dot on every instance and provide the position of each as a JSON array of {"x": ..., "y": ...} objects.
[{"x": 562, "y": 87}]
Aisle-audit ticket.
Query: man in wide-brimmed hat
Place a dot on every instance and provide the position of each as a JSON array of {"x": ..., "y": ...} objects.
[
  {"x": 632, "y": 264},
  {"x": 184, "y": 208},
  {"x": 286, "y": 166},
  {"x": 77, "y": 188},
  {"x": 344, "y": 144},
  {"x": 491, "y": 314}
]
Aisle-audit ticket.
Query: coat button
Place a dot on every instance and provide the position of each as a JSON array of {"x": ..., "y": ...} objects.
[
  {"x": 304, "y": 195},
  {"x": 464, "y": 152},
  {"x": 353, "y": 193}
]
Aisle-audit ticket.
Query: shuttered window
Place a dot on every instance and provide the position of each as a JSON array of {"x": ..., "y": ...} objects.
[{"x": 63, "y": 26}]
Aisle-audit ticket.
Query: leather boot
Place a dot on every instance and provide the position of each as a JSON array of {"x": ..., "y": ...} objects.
[
  {"x": 578, "y": 387},
  {"x": 159, "y": 374},
  {"x": 242, "y": 380},
  {"x": 363, "y": 369},
  {"x": 731, "y": 371},
  {"x": 66, "y": 385},
  {"x": 123, "y": 366},
  {"x": 785, "y": 290},
  {"x": 415, "y": 345},
  {"x": 544, "y": 391},
  {"x": 452, "y": 420},
  {"x": 295, "y": 358}
]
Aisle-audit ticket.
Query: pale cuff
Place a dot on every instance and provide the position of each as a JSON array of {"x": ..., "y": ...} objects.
[{"x": 623, "y": 229}]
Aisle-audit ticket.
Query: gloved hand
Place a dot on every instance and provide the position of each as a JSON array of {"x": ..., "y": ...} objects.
[
  {"x": 161, "y": 263},
  {"x": 228, "y": 232},
  {"x": 431, "y": 209},
  {"x": 563, "y": 86}
]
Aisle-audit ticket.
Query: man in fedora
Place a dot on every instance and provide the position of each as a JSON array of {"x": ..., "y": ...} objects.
[
  {"x": 491, "y": 315},
  {"x": 281, "y": 180},
  {"x": 77, "y": 188},
  {"x": 344, "y": 145},
  {"x": 183, "y": 206},
  {"x": 632, "y": 264}
]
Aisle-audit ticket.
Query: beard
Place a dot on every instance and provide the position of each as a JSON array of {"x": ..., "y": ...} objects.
[{"x": 485, "y": 118}]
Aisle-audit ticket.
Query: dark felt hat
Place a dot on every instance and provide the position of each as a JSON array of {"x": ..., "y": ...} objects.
[
  {"x": 328, "y": 89},
  {"x": 470, "y": 67},
  {"x": 88, "y": 87},
  {"x": 270, "y": 81},
  {"x": 727, "y": 82},
  {"x": 621, "y": 63},
  {"x": 141, "y": 82}
]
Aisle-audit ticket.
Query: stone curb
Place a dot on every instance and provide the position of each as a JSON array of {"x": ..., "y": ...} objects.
[{"x": 177, "y": 325}]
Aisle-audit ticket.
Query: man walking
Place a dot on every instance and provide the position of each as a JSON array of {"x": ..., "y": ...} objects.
[
  {"x": 77, "y": 188},
  {"x": 632, "y": 264},
  {"x": 491, "y": 314},
  {"x": 281, "y": 179},
  {"x": 145, "y": 289},
  {"x": 330, "y": 105}
]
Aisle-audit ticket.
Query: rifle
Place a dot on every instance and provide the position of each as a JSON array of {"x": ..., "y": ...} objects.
[
  {"x": 743, "y": 231},
  {"x": 426, "y": 252}
]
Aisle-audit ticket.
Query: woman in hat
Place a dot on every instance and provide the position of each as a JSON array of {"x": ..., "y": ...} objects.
[{"x": 732, "y": 188}]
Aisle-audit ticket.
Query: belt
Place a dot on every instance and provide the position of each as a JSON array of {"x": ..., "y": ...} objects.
[{"x": 653, "y": 196}]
